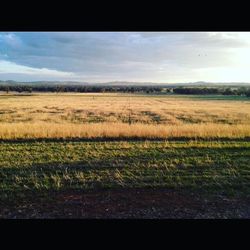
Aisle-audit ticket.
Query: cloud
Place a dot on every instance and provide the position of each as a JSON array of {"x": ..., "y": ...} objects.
[
  {"x": 7, "y": 67},
  {"x": 154, "y": 56}
]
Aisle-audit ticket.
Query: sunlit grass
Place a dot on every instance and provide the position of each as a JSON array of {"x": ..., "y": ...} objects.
[
  {"x": 121, "y": 130},
  {"x": 121, "y": 116}
]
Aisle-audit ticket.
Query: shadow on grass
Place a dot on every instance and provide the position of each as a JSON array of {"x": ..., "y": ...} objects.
[
  {"x": 128, "y": 139},
  {"x": 224, "y": 174}
]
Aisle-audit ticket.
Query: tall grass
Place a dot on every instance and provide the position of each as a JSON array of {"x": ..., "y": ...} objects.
[
  {"x": 120, "y": 116},
  {"x": 121, "y": 130}
]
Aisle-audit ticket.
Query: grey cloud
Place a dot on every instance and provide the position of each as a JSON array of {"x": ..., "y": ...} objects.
[{"x": 118, "y": 53}]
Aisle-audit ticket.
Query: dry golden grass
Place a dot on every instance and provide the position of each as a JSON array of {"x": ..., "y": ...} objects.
[
  {"x": 108, "y": 115},
  {"x": 121, "y": 130}
]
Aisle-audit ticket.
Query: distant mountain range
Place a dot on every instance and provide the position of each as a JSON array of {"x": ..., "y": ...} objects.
[{"x": 124, "y": 83}]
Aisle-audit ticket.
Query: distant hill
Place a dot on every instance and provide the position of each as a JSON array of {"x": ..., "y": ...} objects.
[
  {"x": 123, "y": 83},
  {"x": 51, "y": 83}
]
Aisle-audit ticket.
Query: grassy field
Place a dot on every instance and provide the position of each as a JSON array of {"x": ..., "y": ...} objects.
[
  {"x": 122, "y": 116},
  {"x": 121, "y": 179},
  {"x": 211, "y": 165},
  {"x": 69, "y": 143}
]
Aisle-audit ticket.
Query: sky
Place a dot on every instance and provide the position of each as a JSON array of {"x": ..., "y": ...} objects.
[{"x": 161, "y": 57}]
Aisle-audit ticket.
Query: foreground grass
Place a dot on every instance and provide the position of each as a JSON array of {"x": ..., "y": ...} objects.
[{"x": 212, "y": 166}]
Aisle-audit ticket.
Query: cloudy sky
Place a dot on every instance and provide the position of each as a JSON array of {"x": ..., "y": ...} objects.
[{"x": 125, "y": 56}]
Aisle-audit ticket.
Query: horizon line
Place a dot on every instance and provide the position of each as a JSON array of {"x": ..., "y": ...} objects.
[{"x": 120, "y": 81}]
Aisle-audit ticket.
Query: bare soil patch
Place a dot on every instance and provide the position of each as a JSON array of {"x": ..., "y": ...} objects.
[{"x": 128, "y": 204}]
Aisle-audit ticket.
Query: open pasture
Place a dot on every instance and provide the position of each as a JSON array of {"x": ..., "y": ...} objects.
[
  {"x": 121, "y": 116},
  {"x": 124, "y": 156}
]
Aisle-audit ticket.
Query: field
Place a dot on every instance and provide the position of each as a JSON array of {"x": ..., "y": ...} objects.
[
  {"x": 124, "y": 156},
  {"x": 121, "y": 116}
]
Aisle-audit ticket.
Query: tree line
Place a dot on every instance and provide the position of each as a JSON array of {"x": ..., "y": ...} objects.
[
  {"x": 240, "y": 91},
  {"x": 81, "y": 89}
]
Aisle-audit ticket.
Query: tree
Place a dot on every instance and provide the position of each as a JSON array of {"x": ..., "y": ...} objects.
[{"x": 7, "y": 89}]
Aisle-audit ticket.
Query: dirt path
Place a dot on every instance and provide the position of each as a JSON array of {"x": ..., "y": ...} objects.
[{"x": 132, "y": 203}]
